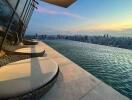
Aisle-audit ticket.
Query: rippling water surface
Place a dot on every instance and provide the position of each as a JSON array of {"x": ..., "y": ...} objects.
[{"x": 110, "y": 64}]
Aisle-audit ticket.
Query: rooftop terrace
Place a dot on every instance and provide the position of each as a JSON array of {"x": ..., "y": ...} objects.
[
  {"x": 74, "y": 83},
  {"x": 33, "y": 77}
]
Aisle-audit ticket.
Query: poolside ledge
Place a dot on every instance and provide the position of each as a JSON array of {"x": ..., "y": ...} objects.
[{"x": 74, "y": 83}]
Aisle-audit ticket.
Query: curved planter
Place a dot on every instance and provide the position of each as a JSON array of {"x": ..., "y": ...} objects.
[
  {"x": 30, "y": 42},
  {"x": 27, "y": 79}
]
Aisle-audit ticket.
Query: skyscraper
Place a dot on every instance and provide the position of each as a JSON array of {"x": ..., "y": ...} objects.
[{"x": 14, "y": 18}]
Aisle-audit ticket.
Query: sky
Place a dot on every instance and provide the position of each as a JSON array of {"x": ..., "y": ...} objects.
[{"x": 94, "y": 17}]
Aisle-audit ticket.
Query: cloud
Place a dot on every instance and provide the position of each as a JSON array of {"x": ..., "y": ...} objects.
[
  {"x": 57, "y": 12},
  {"x": 117, "y": 27}
]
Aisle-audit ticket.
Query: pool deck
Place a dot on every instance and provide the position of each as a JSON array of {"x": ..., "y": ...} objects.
[{"x": 74, "y": 83}]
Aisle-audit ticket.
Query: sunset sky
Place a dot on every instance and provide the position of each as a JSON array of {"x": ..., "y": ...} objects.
[{"x": 84, "y": 17}]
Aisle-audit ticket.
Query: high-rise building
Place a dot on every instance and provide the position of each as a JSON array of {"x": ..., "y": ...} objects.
[{"x": 14, "y": 18}]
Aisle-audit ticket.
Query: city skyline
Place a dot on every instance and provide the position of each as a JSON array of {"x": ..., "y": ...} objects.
[{"x": 95, "y": 16}]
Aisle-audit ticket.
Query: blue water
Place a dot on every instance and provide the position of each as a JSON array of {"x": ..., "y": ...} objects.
[{"x": 110, "y": 64}]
